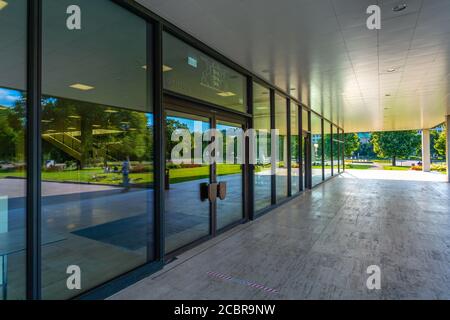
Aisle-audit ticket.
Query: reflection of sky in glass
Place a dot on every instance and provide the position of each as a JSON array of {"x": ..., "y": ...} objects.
[
  {"x": 190, "y": 123},
  {"x": 9, "y": 97}
]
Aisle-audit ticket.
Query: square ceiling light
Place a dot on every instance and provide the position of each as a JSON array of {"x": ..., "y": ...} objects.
[
  {"x": 82, "y": 87},
  {"x": 226, "y": 94},
  {"x": 3, "y": 4}
]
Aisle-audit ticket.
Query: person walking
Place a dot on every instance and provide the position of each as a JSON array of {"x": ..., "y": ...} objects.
[{"x": 125, "y": 175}]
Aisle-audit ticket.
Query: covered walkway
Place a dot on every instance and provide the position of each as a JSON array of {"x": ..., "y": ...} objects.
[{"x": 320, "y": 245}]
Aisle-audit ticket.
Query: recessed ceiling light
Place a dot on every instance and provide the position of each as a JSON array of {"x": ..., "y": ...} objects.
[
  {"x": 3, "y": 4},
  {"x": 46, "y": 121},
  {"x": 80, "y": 86},
  {"x": 226, "y": 94},
  {"x": 192, "y": 62},
  {"x": 400, "y": 7},
  {"x": 75, "y": 117},
  {"x": 111, "y": 111},
  {"x": 390, "y": 70}
]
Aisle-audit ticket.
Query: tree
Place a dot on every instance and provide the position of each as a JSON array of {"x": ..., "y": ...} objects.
[
  {"x": 440, "y": 144},
  {"x": 434, "y": 136},
  {"x": 395, "y": 144},
  {"x": 352, "y": 144}
]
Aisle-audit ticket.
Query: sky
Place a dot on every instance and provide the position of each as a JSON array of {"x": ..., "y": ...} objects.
[{"x": 8, "y": 97}]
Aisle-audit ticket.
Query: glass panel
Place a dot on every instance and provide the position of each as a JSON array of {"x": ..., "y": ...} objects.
[
  {"x": 305, "y": 121},
  {"x": 327, "y": 151},
  {"x": 13, "y": 35},
  {"x": 336, "y": 155},
  {"x": 261, "y": 123},
  {"x": 231, "y": 209},
  {"x": 295, "y": 150},
  {"x": 282, "y": 145},
  {"x": 97, "y": 124},
  {"x": 186, "y": 216},
  {"x": 190, "y": 72},
  {"x": 316, "y": 149}
]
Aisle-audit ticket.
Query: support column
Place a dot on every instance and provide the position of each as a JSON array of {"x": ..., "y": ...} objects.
[
  {"x": 447, "y": 123},
  {"x": 426, "y": 158}
]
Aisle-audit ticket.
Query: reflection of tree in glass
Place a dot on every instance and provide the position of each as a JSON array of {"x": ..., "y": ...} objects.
[
  {"x": 171, "y": 126},
  {"x": 12, "y": 132},
  {"x": 97, "y": 133}
]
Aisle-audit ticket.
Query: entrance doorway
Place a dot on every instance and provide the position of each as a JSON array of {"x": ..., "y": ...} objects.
[{"x": 204, "y": 186}]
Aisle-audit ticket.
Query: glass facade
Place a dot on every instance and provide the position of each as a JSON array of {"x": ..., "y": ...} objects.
[
  {"x": 295, "y": 149},
  {"x": 281, "y": 169},
  {"x": 316, "y": 149},
  {"x": 13, "y": 178},
  {"x": 262, "y": 126},
  {"x": 189, "y": 72},
  {"x": 97, "y": 120},
  {"x": 111, "y": 200}
]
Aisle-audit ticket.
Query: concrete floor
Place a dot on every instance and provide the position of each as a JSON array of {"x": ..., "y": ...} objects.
[{"x": 319, "y": 246}]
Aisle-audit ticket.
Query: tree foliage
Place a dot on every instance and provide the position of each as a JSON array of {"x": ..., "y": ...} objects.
[
  {"x": 352, "y": 144},
  {"x": 395, "y": 144},
  {"x": 440, "y": 143}
]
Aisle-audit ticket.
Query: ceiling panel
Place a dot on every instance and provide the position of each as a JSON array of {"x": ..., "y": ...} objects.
[{"x": 323, "y": 50}]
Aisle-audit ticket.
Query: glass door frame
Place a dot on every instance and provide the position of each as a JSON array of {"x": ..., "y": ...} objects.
[{"x": 173, "y": 103}]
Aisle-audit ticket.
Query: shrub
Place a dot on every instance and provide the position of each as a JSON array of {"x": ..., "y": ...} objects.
[
  {"x": 439, "y": 167},
  {"x": 140, "y": 168},
  {"x": 416, "y": 168}
]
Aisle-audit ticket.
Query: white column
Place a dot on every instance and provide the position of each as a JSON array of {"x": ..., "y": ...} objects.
[
  {"x": 426, "y": 158},
  {"x": 447, "y": 122}
]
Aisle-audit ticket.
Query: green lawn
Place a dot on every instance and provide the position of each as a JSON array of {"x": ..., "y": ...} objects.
[
  {"x": 97, "y": 176},
  {"x": 359, "y": 166},
  {"x": 392, "y": 168}
]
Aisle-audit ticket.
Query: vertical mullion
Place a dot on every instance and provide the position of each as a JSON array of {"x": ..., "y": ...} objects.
[
  {"x": 272, "y": 144},
  {"x": 343, "y": 150},
  {"x": 332, "y": 149},
  {"x": 33, "y": 212},
  {"x": 300, "y": 147},
  {"x": 288, "y": 142},
  {"x": 323, "y": 148},
  {"x": 250, "y": 186},
  {"x": 159, "y": 154},
  {"x": 309, "y": 151},
  {"x": 213, "y": 179}
]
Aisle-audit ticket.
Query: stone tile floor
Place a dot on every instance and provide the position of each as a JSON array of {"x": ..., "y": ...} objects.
[{"x": 320, "y": 245}]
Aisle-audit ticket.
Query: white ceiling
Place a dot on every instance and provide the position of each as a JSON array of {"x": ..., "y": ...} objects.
[{"x": 323, "y": 50}]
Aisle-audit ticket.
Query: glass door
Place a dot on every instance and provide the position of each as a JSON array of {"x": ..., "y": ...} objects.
[
  {"x": 204, "y": 180},
  {"x": 230, "y": 173},
  {"x": 187, "y": 217}
]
